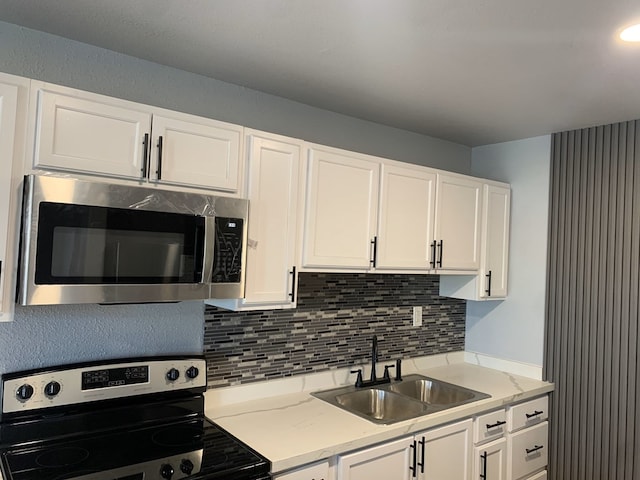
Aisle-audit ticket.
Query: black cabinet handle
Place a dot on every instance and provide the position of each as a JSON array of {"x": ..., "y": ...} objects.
[
  {"x": 441, "y": 247},
  {"x": 534, "y": 414},
  {"x": 488, "y": 290},
  {"x": 534, "y": 449},
  {"x": 145, "y": 156},
  {"x": 494, "y": 425},
  {"x": 433, "y": 254},
  {"x": 292, "y": 294},
  {"x": 374, "y": 244},
  {"x": 159, "y": 170},
  {"x": 413, "y": 466},
  {"x": 483, "y": 475},
  {"x": 422, "y": 445}
]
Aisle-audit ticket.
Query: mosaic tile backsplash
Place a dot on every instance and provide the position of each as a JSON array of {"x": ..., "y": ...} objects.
[{"x": 332, "y": 326}]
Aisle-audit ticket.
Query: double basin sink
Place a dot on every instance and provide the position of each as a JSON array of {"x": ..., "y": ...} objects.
[{"x": 411, "y": 397}]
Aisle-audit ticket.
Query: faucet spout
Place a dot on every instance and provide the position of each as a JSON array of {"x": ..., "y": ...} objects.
[{"x": 374, "y": 357}]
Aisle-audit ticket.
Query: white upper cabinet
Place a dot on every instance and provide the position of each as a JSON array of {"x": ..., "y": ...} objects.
[
  {"x": 491, "y": 281},
  {"x": 405, "y": 218},
  {"x": 495, "y": 254},
  {"x": 341, "y": 210},
  {"x": 425, "y": 221},
  {"x": 195, "y": 151},
  {"x": 94, "y": 134},
  {"x": 457, "y": 222},
  {"x": 86, "y": 133},
  {"x": 275, "y": 180},
  {"x": 13, "y": 106}
]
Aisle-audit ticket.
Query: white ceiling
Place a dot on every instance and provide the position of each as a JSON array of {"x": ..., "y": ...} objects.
[{"x": 473, "y": 71}]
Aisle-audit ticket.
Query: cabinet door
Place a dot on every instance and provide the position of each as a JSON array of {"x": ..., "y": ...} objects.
[
  {"x": 405, "y": 218},
  {"x": 8, "y": 110},
  {"x": 342, "y": 204},
  {"x": 490, "y": 461},
  {"x": 457, "y": 223},
  {"x": 89, "y": 134},
  {"x": 319, "y": 471},
  {"x": 274, "y": 168},
  {"x": 389, "y": 461},
  {"x": 195, "y": 151},
  {"x": 447, "y": 452},
  {"x": 495, "y": 241}
]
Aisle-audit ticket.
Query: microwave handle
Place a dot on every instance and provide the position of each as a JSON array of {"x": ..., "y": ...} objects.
[{"x": 209, "y": 249}]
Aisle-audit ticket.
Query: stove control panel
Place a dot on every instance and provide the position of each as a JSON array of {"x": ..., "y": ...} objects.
[{"x": 74, "y": 384}]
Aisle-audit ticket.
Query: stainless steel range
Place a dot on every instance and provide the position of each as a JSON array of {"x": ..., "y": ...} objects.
[{"x": 128, "y": 419}]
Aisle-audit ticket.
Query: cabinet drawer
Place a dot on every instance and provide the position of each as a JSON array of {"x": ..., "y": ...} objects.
[
  {"x": 528, "y": 413},
  {"x": 538, "y": 476},
  {"x": 528, "y": 451},
  {"x": 489, "y": 426},
  {"x": 319, "y": 471}
]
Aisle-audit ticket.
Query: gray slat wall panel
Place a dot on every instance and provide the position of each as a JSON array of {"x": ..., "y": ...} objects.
[{"x": 591, "y": 341}]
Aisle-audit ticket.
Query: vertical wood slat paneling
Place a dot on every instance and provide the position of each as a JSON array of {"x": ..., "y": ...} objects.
[{"x": 591, "y": 341}]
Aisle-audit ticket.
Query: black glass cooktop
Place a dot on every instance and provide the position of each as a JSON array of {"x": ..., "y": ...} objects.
[{"x": 193, "y": 449}]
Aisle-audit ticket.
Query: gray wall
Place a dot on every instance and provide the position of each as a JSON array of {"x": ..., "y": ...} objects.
[
  {"x": 514, "y": 328},
  {"x": 40, "y": 336},
  {"x": 54, "y": 59}
]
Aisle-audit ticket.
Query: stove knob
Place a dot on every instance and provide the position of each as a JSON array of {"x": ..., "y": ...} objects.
[
  {"x": 173, "y": 374},
  {"x": 166, "y": 471},
  {"x": 51, "y": 389},
  {"x": 186, "y": 466},
  {"x": 192, "y": 372},
  {"x": 24, "y": 392}
]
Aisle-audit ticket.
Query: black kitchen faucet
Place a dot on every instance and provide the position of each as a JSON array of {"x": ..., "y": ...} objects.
[{"x": 373, "y": 379}]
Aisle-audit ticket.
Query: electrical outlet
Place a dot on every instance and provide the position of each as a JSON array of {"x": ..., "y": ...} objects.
[{"x": 417, "y": 316}]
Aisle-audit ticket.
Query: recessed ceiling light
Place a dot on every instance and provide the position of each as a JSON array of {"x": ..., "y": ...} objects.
[{"x": 631, "y": 34}]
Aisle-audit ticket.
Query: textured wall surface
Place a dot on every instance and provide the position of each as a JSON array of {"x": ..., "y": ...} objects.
[
  {"x": 332, "y": 326},
  {"x": 58, "y": 60}
]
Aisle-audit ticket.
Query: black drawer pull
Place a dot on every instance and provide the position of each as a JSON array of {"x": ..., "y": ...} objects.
[
  {"x": 534, "y": 414},
  {"x": 494, "y": 425},
  {"x": 534, "y": 449}
]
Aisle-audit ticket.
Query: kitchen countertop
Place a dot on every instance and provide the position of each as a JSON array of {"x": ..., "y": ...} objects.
[{"x": 292, "y": 428}]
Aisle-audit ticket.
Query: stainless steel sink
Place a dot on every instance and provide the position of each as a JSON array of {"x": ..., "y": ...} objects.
[
  {"x": 394, "y": 402},
  {"x": 375, "y": 404},
  {"x": 436, "y": 392}
]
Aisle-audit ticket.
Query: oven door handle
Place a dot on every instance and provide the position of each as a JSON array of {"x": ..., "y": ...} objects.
[{"x": 209, "y": 249}]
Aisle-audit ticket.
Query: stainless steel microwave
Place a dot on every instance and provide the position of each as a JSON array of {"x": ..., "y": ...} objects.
[{"x": 92, "y": 242}]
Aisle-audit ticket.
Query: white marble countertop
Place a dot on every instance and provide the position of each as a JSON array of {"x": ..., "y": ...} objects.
[{"x": 282, "y": 421}]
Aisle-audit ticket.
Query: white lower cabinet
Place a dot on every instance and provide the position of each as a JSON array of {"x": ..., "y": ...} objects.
[
  {"x": 442, "y": 453},
  {"x": 389, "y": 461},
  {"x": 447, "y": 452},
  {"x": 528, "y": 439},
  {"x": 538, "y": 476},
  {"x": 490, "y": 460},
  {"x": 528, "y": 450},
  {"x": 317, "y": 471}
]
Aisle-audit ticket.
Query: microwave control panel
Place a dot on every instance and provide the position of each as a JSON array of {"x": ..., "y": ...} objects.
[{"x": 227, "y": 261}]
